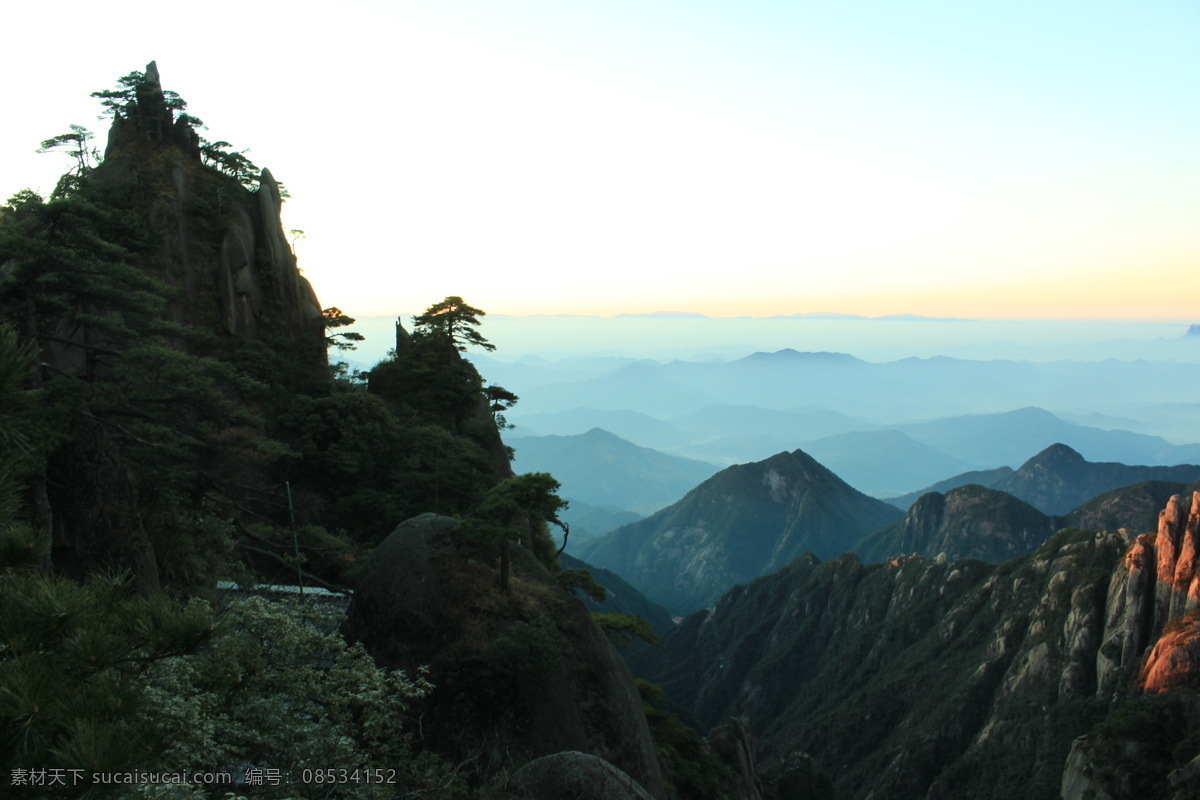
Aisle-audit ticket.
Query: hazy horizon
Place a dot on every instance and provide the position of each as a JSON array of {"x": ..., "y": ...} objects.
[{"x": 698, "y": 337}]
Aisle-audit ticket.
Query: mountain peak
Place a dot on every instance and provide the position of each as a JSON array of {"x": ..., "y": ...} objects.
[
  {"x": 745, "y": 521},
  {"x": 789, "y": 354},
  {"x": 1057, "y": 454},
  {"x": 1058, "y": 479}
]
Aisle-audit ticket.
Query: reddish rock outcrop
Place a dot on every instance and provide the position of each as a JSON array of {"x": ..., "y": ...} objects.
[
  {"x": 1175, "y": 659},
  {"x": 1178, "y": 590},
  {"x": 1174, "y": 552},
  {"x": 1129, "y": 614}
]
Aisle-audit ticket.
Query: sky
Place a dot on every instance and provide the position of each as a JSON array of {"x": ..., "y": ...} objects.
[{"x": 983, "y": 160}]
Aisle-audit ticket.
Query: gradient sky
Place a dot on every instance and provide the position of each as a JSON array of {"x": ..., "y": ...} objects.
[{"x": 1017, "y": 159}]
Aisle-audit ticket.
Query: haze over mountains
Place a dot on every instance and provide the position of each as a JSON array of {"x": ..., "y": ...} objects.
[
  {"x": 907, "y": 391},
  {"x": 823, "y": 607},
  {"x": 665, "y": 337},
  {"x": 893, "y": 430},
  {"x": 1059, "y": 479},
  {"x": 981, "y": 415},
  {"x": 694, "y": 386},
  {"x": 602, "y": 469},
  {"x": 751, "y": 519}
]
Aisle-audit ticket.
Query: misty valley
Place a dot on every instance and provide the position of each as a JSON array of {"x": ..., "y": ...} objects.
[{"x": 252, "y": 547}]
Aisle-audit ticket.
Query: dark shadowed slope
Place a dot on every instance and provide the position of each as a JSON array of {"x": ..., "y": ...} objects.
[{"x": 966, "y": 522}]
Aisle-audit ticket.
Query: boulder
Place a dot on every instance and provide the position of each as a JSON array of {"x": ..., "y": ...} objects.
[
  {"x": 517, "y": 675},
  {"x": 574, "y": 775},
  {"x": 397, "y": 606}
]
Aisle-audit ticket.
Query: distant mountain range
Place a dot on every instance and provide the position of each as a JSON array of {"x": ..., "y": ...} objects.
[
  {"x": 982, "y": 477},
  {"x": 588, "y": 521},
  {"x": 883, "y": 462},
  {"x": 601, "y": 469},
  {"x": 896, "y": 463},
  {"x": 745, "y": 521},
  {"x": 908, "y": 389},
  {"x": 1058, "y": 479},
  {"x": 1009, "y": 437},
  {"x": 633, "y": 426},
  {"x": 1133, "y": 507},
  {"x": 972, "y": 521},
  {"x": 750, "y": 519}
]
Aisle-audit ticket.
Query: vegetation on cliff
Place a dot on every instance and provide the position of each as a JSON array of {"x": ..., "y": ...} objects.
[
  {"x": 169, "y": 420},
  {"x": 916, "y": 678}
]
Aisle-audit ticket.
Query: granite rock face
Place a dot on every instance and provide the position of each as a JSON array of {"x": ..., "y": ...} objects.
[
  {"x": 206, "y": 255},
  {"x": 1175, "y": 658},
  {"x": 917, "y": 676},
  {"x": 1176, "y": 545},
  {"x": 906, "y": 678},
  {"x": 220, "y": 244},
  {"x": 518, "y": 675},
  {"x": 574, "y": 775},
  {"x": 1153, "y": 588}
]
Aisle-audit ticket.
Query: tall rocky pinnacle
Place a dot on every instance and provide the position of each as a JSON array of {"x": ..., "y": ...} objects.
[
  {"x": 220, "y": 249},
  {"x": 150, "y": 119},
  {"x": 221, "y": 244},
  {"x": 1152, "y": 591}
]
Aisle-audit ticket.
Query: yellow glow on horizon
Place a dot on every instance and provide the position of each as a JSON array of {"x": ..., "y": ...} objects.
[{"x": 1149, "y": 285}]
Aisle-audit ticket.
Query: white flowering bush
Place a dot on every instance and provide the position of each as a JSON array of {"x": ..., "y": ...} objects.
[{"x": 279, "y": 700}]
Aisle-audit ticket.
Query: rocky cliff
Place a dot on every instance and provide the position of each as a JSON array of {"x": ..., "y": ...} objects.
[
  {"x": 169, "y": 320},
  {"x": 219, "y": 244},
  {"x": 1176, "y": 591},
  {"x": 1146, "y": 748},
  {"x": 914, "y": 678},
  {"x": 518, "y": 675}
]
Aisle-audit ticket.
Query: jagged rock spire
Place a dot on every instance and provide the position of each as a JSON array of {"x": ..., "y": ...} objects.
[{"x": 149, "y": 117}]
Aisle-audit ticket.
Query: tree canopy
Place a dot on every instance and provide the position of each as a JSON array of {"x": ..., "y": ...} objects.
[{"x": 455, "y": 321}]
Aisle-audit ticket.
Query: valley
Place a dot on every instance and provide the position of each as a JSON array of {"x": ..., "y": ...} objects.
[{"x": 1027, "y": 567}]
